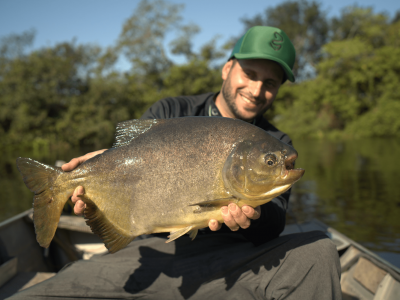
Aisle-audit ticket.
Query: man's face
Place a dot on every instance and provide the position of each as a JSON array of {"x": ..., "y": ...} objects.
[{"x": 250, "y": 87}]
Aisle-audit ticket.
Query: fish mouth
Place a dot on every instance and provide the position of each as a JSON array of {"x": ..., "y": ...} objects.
[{"x": 289, "y": 172}]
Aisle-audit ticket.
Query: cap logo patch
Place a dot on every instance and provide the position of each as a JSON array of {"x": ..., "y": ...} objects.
[{"x": 277, "y": 43}]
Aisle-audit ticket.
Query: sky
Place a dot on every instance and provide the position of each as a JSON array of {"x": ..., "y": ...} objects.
[{"x": 100, "y": 21}]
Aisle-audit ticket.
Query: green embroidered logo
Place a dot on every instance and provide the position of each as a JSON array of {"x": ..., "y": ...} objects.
[{"x": 277, "y": 43}]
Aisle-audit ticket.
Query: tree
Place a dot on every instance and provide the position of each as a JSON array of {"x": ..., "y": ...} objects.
[
  {"x": 143, "y": 34},
  {"x": 35, "y": 89},
  {"x": 70, "y": 94},
  {"x": 356, "y": 91},
  {"x": 359, "y": 22},
  {"x": 154, "y": 75},
  {"x": 15, "y": 45}
]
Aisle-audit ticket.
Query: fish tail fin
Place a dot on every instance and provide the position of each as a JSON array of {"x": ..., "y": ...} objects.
[
  {"x": 48, "y": 201},
  {"x": 114, "y": 237}
]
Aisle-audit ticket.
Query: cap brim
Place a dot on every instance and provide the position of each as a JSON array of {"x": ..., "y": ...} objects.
[{"x": 286, "y": 69}]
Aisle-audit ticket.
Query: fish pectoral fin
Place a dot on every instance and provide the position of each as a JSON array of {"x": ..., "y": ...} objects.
[
  {"x": 216, "y": 202},
  {"x": 193, "y": 233},
  {"x": 175, "y": 234},
  {"x": 113, "y": 237}
]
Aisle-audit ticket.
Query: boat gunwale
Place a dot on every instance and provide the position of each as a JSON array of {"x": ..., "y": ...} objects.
[{"x": 8, "y": 221}]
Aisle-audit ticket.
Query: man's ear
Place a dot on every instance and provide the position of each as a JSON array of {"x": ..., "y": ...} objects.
[{"x": 226, "y": 68}]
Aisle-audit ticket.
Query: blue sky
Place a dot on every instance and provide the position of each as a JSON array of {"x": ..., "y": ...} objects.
[{"x": 100, "y": 21}]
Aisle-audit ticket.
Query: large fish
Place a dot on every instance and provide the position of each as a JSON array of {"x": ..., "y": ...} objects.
[{"x": 164, "y": 176}]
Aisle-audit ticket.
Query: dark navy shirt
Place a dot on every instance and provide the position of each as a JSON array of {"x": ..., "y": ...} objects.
[{"x": 273, "y": 214}]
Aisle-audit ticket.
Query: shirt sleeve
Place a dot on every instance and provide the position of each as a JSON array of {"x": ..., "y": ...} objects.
[
  {"x": 158, "y": 110},
  {"x": 169, "y": 108}
]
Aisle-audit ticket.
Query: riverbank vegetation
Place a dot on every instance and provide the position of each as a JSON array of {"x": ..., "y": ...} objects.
[{"x": 73, "y": 95}]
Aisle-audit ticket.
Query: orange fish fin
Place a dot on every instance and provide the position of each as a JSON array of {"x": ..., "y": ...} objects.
[
  {"x": 47, "y": 203},
  {"x": 114, "y": 238},
  {"x": 176, "y": 234}
]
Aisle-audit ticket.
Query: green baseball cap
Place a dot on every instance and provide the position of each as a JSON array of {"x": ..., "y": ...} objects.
[{"x": 267, "y": 43}]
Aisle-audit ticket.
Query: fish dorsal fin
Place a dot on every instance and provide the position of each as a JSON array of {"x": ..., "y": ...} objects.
[
  {"x": 128, "y": 130},
  {"x": 114, "y": 238}
]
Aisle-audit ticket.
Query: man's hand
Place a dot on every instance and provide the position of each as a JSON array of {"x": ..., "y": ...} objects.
[
  {"x": 236, "y": 218},
  {"x": 79, "y": 191}
]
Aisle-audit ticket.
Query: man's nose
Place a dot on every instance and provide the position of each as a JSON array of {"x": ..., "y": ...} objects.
[{"x": 256, "y": 88}]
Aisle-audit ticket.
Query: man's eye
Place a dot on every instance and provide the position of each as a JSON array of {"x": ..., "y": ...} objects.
[
  {"x": 269, "y": 84},
  {"x": 249, "y": 74}
]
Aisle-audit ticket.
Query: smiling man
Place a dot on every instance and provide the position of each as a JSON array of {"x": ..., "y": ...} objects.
[
  {"x": 299, "y": 266},
  {"x": 261, "y": 61},
  {"x": 249, "y": 89}
]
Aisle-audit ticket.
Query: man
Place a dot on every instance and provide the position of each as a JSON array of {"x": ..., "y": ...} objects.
[
  {"x": 259, "y": 63},
  {"x": 221, "y": 264}
]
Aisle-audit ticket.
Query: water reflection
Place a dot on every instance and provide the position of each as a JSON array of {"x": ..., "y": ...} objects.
[{"x": 352, "y": 186}]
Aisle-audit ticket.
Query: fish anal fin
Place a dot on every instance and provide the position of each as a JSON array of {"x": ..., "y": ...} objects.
[
  {"x": 114, "y": 238},
  {"x": 176, "y": 234}
]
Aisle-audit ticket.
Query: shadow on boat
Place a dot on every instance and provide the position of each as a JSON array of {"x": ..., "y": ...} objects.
[{"x": 23, "y": 263}]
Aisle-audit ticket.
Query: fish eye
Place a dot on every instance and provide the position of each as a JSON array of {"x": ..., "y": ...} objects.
[{"x": 270, "y": 159}]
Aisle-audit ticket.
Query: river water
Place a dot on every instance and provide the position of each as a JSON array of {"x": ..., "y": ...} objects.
[{"x": 352, "y": 186}]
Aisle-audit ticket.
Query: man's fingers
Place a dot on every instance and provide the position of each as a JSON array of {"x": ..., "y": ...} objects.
[
  {"x": 238, "y": 215},
  {"x": 79, "y": 204},
  {"x": 229, "y": 220},
  {"x": 79, "y": 207},
  {"x": 252, "y": 213},
  {"x": 236, "y": 218},
  {"x": 78, "y": 192},
  {"x": 214, "y": 225},
  {"x": 75, "y": 162},
  {"x": 72, "y": 164}
]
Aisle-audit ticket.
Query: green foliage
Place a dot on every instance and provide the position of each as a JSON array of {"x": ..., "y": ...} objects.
[
  {"x": 15, "y": 45},
  {"x": 36, "y": 89},
  {"x": 71, "y": 95},
  {"x": 142, "y": 36},
  {"x": 192, "y": 79},
  {"x": 356, "y": 90},
  {"x": 360, "y": 22}
]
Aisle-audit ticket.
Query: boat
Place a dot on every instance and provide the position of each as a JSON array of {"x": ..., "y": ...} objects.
[{"x": 23, "y": 263}]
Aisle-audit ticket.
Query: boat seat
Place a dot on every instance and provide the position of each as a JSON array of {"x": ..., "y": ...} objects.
[{"x": 365, "y": 278}]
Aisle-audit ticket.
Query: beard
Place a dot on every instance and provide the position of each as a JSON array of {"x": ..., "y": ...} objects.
[{"x": 230, "y": 97}]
